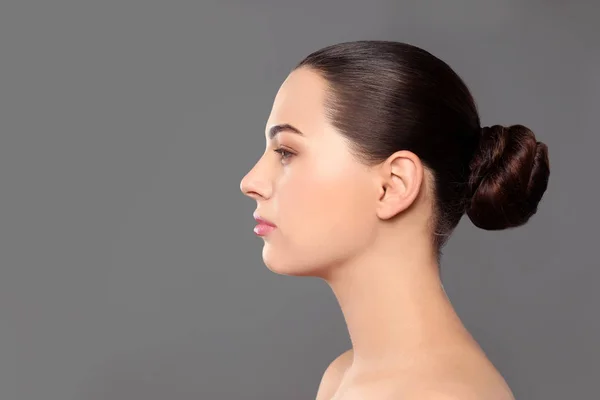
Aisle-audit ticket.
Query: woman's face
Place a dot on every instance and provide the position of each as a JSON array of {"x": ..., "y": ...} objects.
[{"x": 308, "y": 184}]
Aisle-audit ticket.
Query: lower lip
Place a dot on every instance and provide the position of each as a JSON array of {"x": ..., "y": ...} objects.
[{"x": 263, "y": 229}]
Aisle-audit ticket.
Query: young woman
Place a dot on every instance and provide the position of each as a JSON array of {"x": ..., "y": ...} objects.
[{"x": 374, "y": 151}]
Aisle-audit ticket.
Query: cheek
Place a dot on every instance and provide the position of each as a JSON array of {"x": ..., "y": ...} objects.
[{"x": 324, "y": 209}]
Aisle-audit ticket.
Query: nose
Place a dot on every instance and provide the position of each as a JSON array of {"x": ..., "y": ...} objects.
[{"x": 255, "y": 184}]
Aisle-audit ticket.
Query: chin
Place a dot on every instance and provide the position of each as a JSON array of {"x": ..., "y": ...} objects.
[
  {"x": 286, "y": 263},
  {"x": 291, "y": 263}
]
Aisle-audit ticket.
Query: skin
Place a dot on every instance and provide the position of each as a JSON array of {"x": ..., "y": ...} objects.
[{"x": 366, "y": 231}]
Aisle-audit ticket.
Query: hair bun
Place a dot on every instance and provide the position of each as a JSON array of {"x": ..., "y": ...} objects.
[{"x": 509, "y": 175}]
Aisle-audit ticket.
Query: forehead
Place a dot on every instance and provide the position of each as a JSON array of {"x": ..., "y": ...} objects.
[{"x": 300, "y": 101}]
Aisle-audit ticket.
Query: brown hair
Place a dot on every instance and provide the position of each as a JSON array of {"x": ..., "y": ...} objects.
[{"x": 387, "y": 96}]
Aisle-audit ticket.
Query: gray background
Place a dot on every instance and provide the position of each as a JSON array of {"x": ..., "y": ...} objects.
[{"x": 129, "y": 269}]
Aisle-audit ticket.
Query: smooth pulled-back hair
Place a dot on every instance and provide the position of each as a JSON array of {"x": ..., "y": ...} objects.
[{"x": 388, "y": 96}]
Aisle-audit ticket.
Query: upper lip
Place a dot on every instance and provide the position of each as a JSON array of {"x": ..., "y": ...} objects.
[{"x": 262, "y": 220}]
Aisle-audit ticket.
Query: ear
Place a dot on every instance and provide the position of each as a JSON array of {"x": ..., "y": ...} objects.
[{"x": 401, "y": 176}]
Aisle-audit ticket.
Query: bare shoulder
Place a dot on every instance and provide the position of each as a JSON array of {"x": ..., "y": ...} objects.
[
  {"x": 474, "y": 382},
  {"x": 446, "y": 379},
  {"x": 458, "y": 391},
  {"x": 454, "y": 378},
  {"x": 435, "y": 390},
  {"x": 469, "y": 381},
  {"x": 333, "y": 375}
]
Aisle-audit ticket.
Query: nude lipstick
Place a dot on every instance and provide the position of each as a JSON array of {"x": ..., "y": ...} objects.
[{"x": 264, "y": 227}]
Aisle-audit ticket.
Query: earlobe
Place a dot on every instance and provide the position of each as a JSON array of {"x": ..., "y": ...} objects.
[{"x": 402, "y": 174}]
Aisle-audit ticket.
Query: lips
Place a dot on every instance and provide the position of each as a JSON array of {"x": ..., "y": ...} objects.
[
  {"x": 264, "y": 226},
  {"x": 263, "y": 221}
]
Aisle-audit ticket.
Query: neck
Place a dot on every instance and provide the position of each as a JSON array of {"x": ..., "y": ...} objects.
[{"x": 394, "y": 303}]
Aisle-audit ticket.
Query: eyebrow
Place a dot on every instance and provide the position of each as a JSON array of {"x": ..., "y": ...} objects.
[{"x": 275, "y": 129}]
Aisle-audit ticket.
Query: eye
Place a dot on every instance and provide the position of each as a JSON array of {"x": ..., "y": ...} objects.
[{"x": 285, "y": 154}]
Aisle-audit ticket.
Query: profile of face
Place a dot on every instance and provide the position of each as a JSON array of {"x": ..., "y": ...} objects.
[{"x": 319, "y": 196}]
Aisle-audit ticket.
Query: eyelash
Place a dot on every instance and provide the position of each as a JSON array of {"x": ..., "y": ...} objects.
[{"x": 285, "y": 154}]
